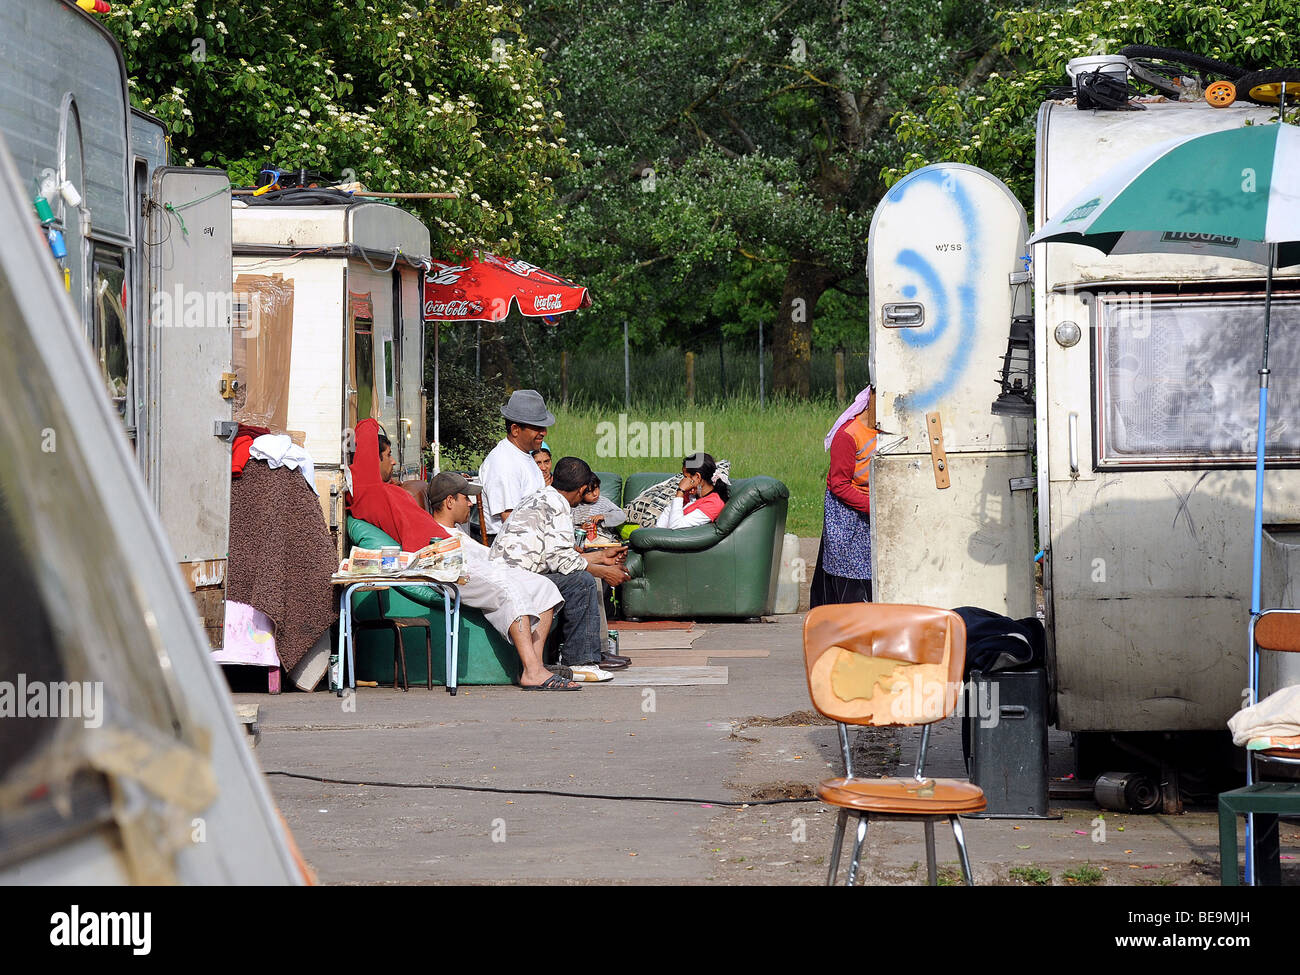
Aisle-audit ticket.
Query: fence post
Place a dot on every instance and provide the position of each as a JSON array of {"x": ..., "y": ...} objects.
[
  {"x": 564, "y": 376},
  {"x": 690, "y": 378},
  {"x": 760, "y": 363},
  {"x": 839, "y": 376},
  {"x": 627, "y": 372},
  {"x": 722, "y": 364}
]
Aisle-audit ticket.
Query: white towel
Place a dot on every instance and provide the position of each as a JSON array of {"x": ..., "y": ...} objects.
[
  {"x": 278, "y": 450},
  {"x": 1276, "y": 715}
]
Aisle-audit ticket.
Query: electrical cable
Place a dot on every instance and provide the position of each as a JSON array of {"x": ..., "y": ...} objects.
[{"x": 455, "y": 787}]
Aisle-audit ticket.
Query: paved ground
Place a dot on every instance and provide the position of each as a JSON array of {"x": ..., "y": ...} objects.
[{"x": 730, "y": 742}]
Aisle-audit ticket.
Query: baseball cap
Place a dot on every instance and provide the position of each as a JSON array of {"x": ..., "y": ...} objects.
[{"x": 444, "y": 485}]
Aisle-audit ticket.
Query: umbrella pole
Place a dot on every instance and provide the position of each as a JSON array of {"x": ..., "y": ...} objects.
[
  {"x": 437, "y": 405},
  {"x": 1256, "y": 583}
]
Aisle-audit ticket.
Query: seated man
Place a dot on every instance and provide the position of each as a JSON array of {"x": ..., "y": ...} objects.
[
  {"x": 383, "y": 504},
  {"x": 539, "y": 537},
  {"x": 509, "y": 474},
  {"x": 518, "y": 604},
  {"x": 394, "y": 511}
]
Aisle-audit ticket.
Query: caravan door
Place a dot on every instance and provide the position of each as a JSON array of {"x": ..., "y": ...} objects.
[
  {"x": 188, "y": 350},
  {"x": 950, "y": 526}
]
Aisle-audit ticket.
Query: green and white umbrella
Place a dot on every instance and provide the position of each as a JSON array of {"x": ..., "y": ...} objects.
[{"x": 1226, "y": 193}]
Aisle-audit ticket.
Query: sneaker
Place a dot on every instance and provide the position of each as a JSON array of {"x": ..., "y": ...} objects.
[
  {"x": 591, "y": 674},
  {"x": 561, "y": 671}
]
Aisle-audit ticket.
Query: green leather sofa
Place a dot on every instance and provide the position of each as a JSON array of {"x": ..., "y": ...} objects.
[
  {"x": 485, "y": 656},
  {"x": 724, "y": 570}
]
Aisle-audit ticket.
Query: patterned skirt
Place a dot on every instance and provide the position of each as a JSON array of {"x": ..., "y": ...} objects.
[{"x": 843, "y": 573}]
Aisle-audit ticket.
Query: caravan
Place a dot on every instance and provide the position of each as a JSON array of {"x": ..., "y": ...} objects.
[
  {"x": 329, "y": 328},
  {"x": 1134, "y": 439},
  {"x": 128, "y": 232}
]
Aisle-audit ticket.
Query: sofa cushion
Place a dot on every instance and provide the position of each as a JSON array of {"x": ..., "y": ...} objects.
[
  {"x": 636, "y": 483},
  {"x": 611, "y": 486}
]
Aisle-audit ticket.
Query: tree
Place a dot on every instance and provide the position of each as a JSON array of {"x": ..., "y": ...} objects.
[
  {"x": 732, "y": 153},
  {"x": 992, "y": 124},
  {"x": 399, "y": 95}
]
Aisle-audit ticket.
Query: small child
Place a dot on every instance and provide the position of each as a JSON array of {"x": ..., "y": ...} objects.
[{"x": 601, "y": 512}]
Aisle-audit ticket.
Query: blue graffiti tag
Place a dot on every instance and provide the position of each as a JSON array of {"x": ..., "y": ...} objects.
[{"x": 941, "y": 294}]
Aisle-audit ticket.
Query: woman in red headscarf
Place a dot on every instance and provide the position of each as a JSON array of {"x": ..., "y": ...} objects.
[{"x": 843, "y": 573}]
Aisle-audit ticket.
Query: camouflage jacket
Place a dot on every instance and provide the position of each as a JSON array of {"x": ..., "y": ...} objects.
[{"x": 539, "y": 535}]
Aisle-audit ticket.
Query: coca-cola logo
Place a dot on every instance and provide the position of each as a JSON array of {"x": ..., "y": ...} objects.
[
  {"x": 546, "y": 303},
  {"x": 451, "y": 309},
  {"x": 447, "y": 274}
]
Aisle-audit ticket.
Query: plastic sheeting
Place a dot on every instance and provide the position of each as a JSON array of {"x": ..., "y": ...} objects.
[{"x": 262, "y": 346}]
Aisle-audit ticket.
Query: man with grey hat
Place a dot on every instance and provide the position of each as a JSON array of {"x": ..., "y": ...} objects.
[
  {"x": 519, "y": 605},
  {"x": 509, "y": 474}
]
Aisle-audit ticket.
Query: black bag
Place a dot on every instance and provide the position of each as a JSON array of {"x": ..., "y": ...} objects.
[{"x": 997, "y": 642}]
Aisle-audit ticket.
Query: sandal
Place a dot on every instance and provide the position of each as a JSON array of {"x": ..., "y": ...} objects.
[{"x": 553, "y": 683}]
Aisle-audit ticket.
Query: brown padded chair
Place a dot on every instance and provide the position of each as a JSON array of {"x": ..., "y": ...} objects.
[{"x": 889, "y": 665}]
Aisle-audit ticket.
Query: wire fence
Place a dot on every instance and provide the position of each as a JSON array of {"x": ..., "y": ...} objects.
[{"x": 655, "y": 376}]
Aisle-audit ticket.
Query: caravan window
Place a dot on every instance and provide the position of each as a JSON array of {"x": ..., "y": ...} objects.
[
  {"x": 361, "y": 311},
  {"x": 111, "y": 343},
  {"x": 1178, "y": 379}
]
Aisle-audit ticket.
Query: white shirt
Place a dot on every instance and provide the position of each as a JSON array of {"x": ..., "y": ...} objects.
[
  {"x": 508, "y": 475},
  {"x": 674, "y": 517}
]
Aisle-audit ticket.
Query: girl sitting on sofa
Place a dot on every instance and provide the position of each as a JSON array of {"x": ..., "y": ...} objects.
[{"x": 701, "y": 495}]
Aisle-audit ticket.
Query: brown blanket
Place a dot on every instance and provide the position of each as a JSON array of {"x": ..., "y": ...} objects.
[{"x": 281, "y": 556}]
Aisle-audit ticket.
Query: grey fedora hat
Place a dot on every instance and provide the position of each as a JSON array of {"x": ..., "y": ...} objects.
[{"x": 527, "y": 406}]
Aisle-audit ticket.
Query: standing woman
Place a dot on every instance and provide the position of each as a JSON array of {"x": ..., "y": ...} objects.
[{"x": 843, "y": 573}]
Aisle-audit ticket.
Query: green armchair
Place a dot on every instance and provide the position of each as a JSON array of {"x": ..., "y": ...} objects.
[
  {"x": 485, "y": 656},
  {"x": 726, "y": 569}
]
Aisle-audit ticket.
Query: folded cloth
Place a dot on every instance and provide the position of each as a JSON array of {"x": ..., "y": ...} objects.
[
  {"x": 278, "y": 450},
  {"x": 239, "y": 454},
  {"x": 1268, "y": 743},
  {"x": 281, "y": 557},
  {"x": 1277, "y": 716}
]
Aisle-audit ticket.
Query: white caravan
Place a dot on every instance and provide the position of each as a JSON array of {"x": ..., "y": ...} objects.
[
  {"x": 1143, "y": 424},
  {"x": 330, "y": 330}
]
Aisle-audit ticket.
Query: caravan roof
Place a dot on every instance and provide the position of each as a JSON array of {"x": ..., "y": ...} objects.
[
  {"x": 1075, "y": 147},
  {"x": 377, "y": 228}
]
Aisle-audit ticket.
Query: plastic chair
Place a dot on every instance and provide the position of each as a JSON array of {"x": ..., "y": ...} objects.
[
  {"x": 1278, "y": 631},
  {"x": 888, "y": 665}
]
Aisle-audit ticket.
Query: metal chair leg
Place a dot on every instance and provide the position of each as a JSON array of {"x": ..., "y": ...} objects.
[
  {"x": 858, "y": 841},
  {"x": 428, "y": 656},
  {"x": 931, "y": 871},
  {"x": 960, "y": 837},
  {"x": 836, "y": 845}
]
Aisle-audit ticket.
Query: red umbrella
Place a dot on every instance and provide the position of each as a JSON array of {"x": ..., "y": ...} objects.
[{"x": 481, "y": 290}]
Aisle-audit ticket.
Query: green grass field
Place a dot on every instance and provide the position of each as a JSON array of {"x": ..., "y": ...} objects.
[{"x": 784, "y": 440}]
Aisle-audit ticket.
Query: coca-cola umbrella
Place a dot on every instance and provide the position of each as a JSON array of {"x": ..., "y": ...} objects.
[{"x": 483, "y": 289}]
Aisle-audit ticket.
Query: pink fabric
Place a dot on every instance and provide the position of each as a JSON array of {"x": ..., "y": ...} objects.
[
  {"x": 249, "y": 638},
  {"x": 854, "y": 409}
]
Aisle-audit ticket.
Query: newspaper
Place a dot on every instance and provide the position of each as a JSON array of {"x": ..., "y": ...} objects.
[{"x": 443, "y": 561}]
